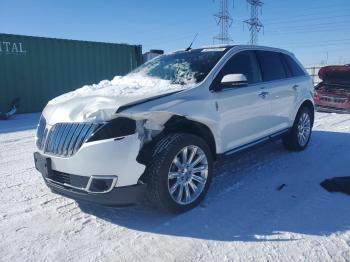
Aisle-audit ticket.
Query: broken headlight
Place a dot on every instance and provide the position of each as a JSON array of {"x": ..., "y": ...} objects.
[{"x": 118, "y": 127}]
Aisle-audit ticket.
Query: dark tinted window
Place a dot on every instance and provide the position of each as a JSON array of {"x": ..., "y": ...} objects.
[
  {"x": 286, "y": 67},
  {"x": 293, "y": 66},
  {"x": 271, "y": 65},
  {"x": 243, "y": 63}
]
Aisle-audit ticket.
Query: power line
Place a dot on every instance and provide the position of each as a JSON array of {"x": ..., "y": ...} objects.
[
  {"x": 254, "y": 22},
  {"x": 313, "y": 42},
  {"x": 307, "y": 31},
  {"x": 224, "y": 20},
  {"x": 313, "y": 19}
]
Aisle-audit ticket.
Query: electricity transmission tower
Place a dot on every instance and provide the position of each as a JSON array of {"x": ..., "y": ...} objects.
[
  {"x": 224, "y": 20},
  {"x": 254, "y": 23}
]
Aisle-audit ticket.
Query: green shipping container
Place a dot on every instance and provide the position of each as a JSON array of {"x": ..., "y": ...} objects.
[{"x": 37, "y": 69}]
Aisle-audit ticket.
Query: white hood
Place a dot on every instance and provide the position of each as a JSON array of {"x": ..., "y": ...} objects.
[{"x": 100, "y": 102}]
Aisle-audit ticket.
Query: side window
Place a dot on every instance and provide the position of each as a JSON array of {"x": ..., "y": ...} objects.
[
  {"x": 293, "y": 66},
  {"x": 286, "y": 67},
  {"x": 243, "y": 63},
  {"x": 271, "y": 65}
]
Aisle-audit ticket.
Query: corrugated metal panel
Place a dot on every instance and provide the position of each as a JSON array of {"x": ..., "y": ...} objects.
[{"x": 37, "y": 69}]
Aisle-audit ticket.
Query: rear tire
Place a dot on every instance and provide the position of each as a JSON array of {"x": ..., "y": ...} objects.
[
  {"x": 179, "y": 173},
  {"x": 299, "y": 136}
]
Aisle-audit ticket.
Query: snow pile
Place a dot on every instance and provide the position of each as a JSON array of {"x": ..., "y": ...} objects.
[{"x": 136, "y": 84}]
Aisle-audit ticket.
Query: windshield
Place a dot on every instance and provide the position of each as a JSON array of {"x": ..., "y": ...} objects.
[{"x": 185, "y": 67}]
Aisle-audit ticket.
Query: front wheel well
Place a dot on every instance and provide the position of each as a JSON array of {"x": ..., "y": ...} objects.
[{"x": 179, "y": 124}]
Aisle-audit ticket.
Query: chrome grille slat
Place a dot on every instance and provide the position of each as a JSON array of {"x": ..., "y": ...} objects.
[
  {"x": 49, "y": 144},
  {"x": 74, "y": 139},
  {"x": 44, "y": 140},
  {"x": 69, "y": 138},
  {"x": 57, "y": 138},
  {"x": 81, "y": 138},
  {"x": 61, "y": 139},
  {"x": 64, "y": 139},
  {"x": 40, "y": 133}
]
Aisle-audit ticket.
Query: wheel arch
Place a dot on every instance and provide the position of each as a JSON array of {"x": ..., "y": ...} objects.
[
  {"x": 179, "y": 124},
  {"x": 308, "y": 104}
]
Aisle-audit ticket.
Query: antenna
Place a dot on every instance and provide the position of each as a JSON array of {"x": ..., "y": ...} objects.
[
  {"x": 224, "y": 20},
  {"x": 254, "y": 22},
  {"x": 194, "y": 39}
]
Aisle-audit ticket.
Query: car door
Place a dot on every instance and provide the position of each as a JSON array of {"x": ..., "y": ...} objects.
[
  {"x": 244, "y": 110},
  {"x": 281, "y": 88}
]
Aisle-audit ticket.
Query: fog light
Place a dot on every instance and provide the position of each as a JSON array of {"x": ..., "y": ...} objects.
[{"x": 101, "y": 184}]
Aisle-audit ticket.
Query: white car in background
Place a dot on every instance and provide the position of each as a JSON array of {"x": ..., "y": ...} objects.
[{"x": 158, "y": 130}]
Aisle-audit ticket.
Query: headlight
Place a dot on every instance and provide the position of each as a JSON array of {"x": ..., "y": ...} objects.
[{"x": 118, "y": 127}]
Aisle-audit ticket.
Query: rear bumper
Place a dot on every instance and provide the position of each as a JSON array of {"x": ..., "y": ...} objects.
[
  {"x": 332, "y": 109},
  {"x": 118, "y": 196}
]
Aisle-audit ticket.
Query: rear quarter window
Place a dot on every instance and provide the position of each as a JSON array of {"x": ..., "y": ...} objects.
[
  {"x": 272, "y": 67},
  {"x": 295, "y": 69}
]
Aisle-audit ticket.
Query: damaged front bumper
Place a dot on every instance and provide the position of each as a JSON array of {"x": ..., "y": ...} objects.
[
  {"x": 104, "y": 171},
  {"x": 117, "y": 196}
]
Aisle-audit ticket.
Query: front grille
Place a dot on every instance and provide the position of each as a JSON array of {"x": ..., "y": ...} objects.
[
  {"x": 66, "y": 139},
  {"x": 63, "y": 139},
  {"x": 332, "y": 99}
]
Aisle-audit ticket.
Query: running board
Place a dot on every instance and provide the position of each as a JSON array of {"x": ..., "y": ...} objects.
[{"x": 260, "y": 141}]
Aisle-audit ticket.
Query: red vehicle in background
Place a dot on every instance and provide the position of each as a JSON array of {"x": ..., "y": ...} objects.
[{"x": 333, "y": 93}]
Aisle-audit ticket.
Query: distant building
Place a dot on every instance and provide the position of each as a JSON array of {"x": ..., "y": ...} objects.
[
  {"x": 151, "y": 54},
  {"x": 37, "y": 69}
]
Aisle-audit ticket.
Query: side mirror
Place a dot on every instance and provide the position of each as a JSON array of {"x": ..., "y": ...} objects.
[{"x": 234, "y": 80}]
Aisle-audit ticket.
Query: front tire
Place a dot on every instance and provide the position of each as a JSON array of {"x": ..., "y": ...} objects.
[
  {"x": 180, "y": 172},
  {"x": 299, "y": 136}
]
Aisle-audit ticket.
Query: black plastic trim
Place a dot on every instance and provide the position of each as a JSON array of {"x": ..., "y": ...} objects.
[
  {"x": 116, "y": 128},
  {"x": 117, "y": 197},
  {"x": 255, "y": 143}
]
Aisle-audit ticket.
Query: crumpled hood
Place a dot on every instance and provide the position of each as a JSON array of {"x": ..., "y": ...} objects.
[
  {"x": 100, "y": 102},
  {"x": 89, "y": 109}
]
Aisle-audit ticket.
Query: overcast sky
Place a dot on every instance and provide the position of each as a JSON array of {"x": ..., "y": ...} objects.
[{"x": 310, "y": 29}]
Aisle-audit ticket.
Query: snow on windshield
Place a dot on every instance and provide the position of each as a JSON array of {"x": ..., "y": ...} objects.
[
  {"x": 134, "y": 84},
  {"x": 175, "y": 71}
]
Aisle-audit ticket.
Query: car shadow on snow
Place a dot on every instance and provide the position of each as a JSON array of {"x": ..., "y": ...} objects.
[{"x": 246, "y": 201}]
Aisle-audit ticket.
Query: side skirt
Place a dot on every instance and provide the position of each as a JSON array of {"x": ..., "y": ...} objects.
[{"x": 256, "y": 143}]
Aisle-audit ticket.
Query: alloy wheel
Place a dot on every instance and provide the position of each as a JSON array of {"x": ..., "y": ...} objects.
[
  {"x": 304, "y": 129},
  {"x": 187, "y": 175}
]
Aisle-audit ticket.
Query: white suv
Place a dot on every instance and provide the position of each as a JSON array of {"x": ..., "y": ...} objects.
[{"x": 158, "y": 130}]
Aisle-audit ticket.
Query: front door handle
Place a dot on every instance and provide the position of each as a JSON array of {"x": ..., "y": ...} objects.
[
  {"x": 295, "y": 87},
  {"x": 263, "y": 94}
]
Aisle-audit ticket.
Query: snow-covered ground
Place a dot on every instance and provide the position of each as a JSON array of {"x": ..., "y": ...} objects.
[{"x": 244, "y": 217}]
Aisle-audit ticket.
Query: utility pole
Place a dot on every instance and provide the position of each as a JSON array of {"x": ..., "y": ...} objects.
[
  {"x": 254, "y": 22},
  {"x": 224, "y": 20}
]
